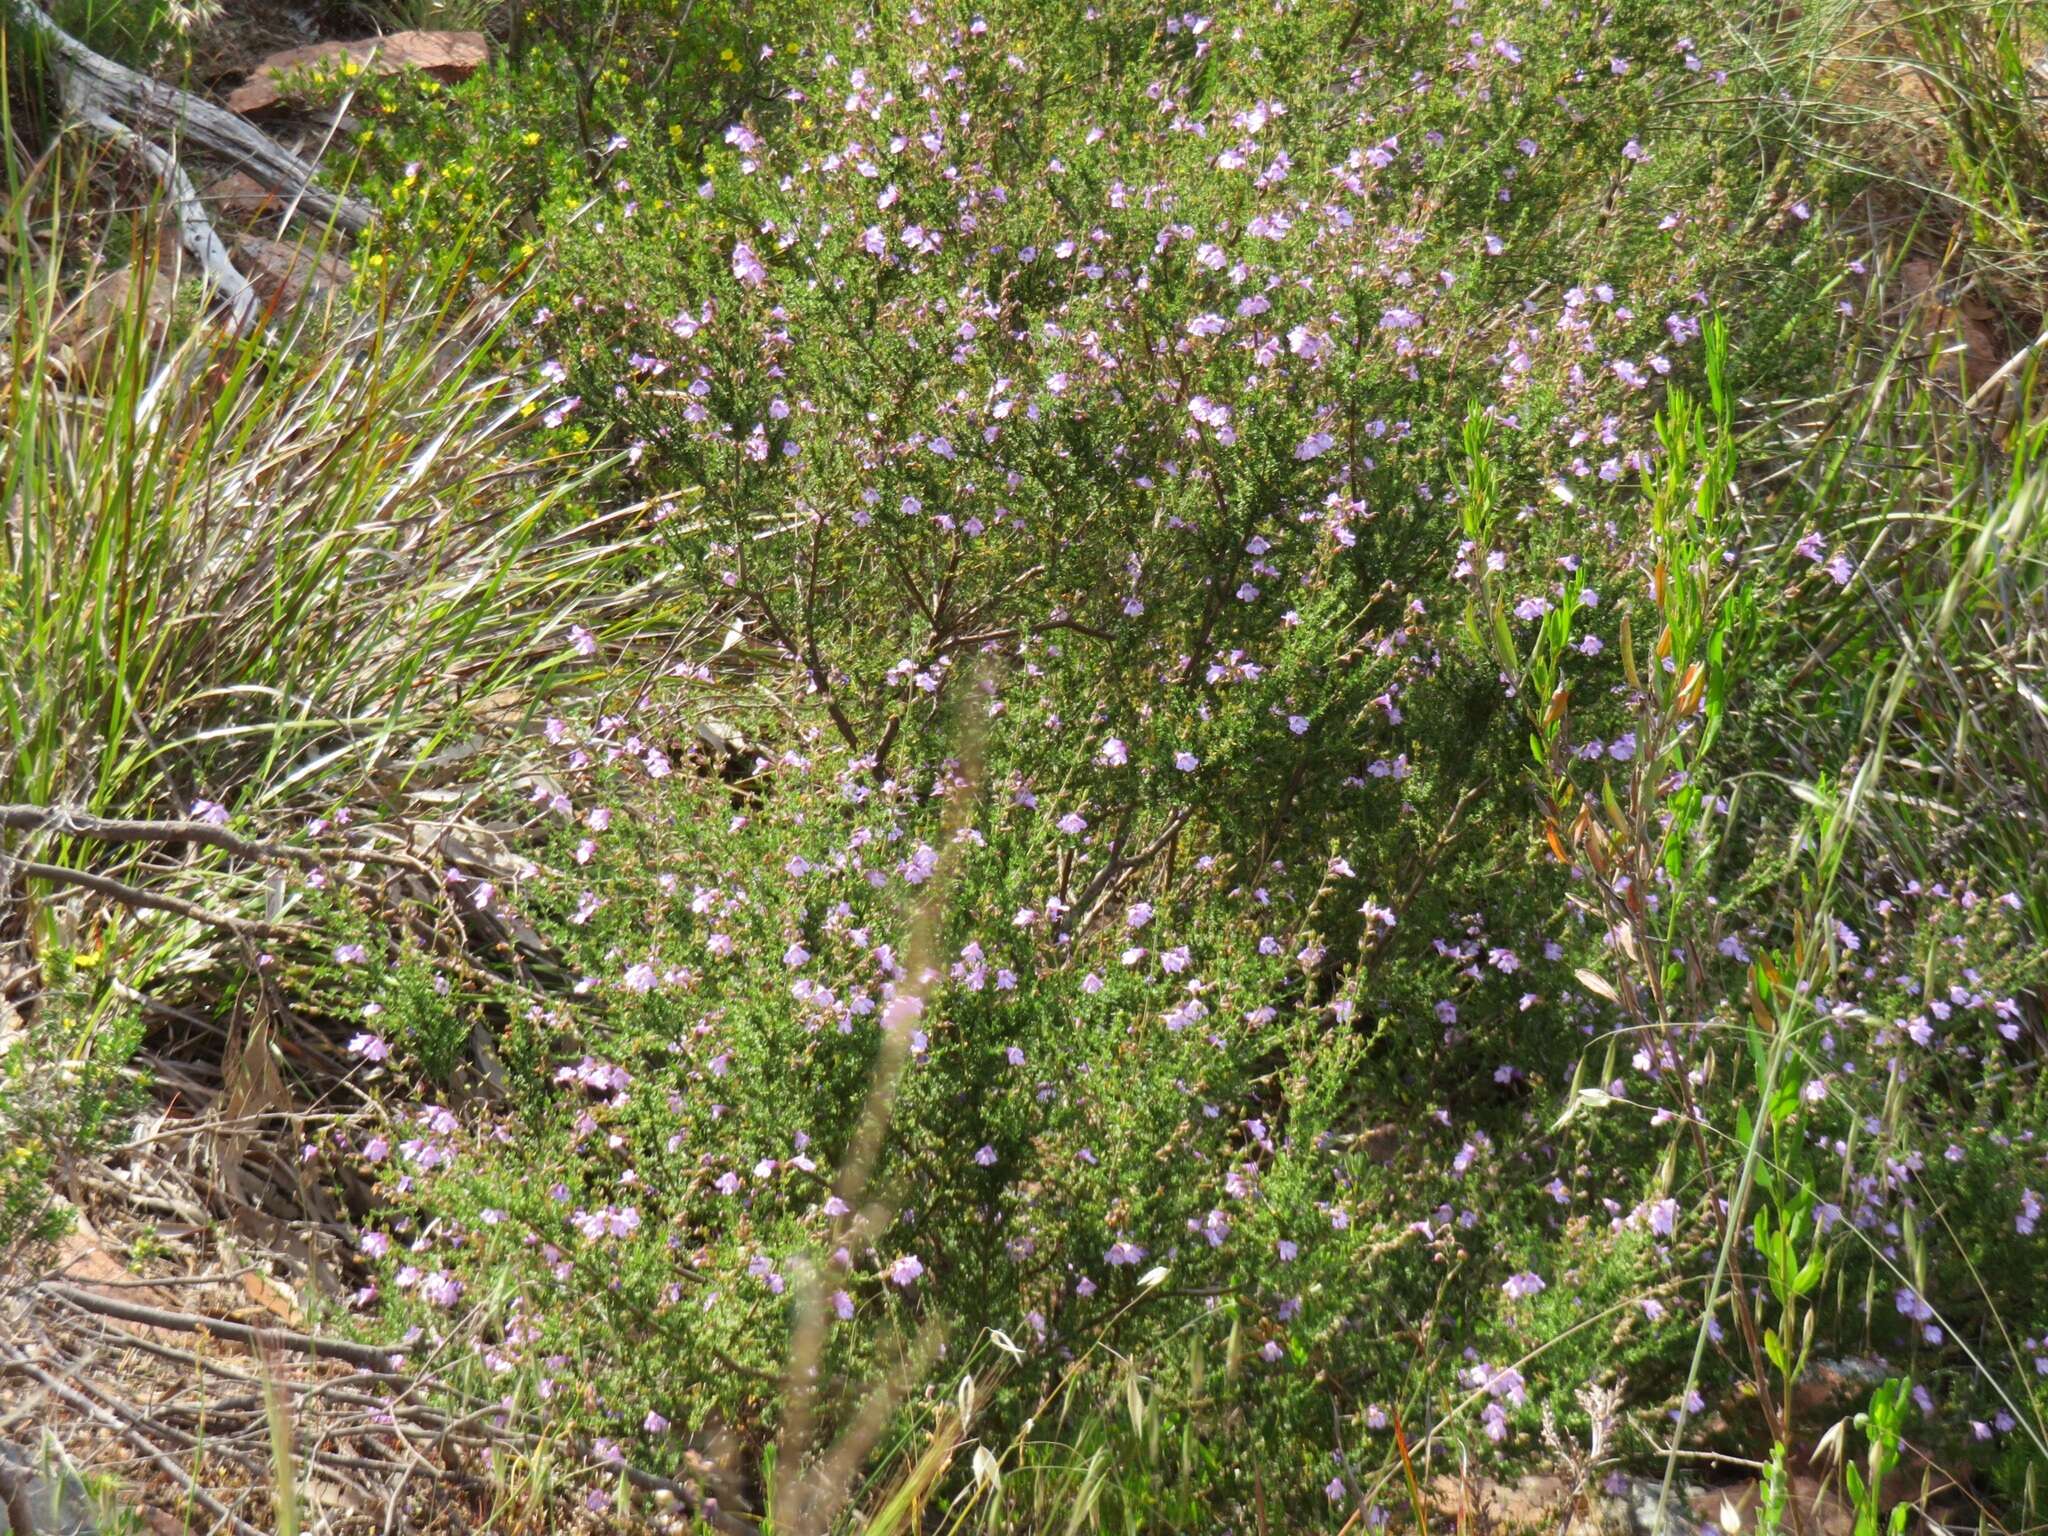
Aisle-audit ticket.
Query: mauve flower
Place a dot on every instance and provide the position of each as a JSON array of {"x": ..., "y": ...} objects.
[
  {"x": 746, "y": 266},
  {"x": 904, "y": 1271}
]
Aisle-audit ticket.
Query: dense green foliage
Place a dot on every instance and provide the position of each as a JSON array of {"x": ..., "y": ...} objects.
[{"x": 1248, "y": 741}]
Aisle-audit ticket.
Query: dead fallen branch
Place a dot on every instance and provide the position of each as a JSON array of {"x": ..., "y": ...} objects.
[
  {"x": 156, "y": 901},
  {"x": 106, "y": 1418},
  {"x": 237, "y": 1426},
  {"x": 195, "y": 229},
  {"x": 95, "y": 85},
  {"x": 59, "y": 821},
  {"x": 365, "y": 1356}
]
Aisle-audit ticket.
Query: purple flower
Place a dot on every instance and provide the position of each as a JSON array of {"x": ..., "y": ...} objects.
[
  {"x": 746, "y": 266},
  {"x": 904, "y": 1271}
]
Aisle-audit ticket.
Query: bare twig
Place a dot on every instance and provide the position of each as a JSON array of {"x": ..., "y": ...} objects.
[
  {"x": 93, "y": 84},
  {"x": 65, "y": 822},
  {"x": 195, "y": 229},
  {"x": 79, "y": 1403},
  {"x": 366, "y": 1356},
  {"x": 132, "y": 896}
]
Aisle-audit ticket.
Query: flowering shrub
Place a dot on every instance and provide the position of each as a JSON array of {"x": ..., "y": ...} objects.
[{"x": 1110, "y": 419}]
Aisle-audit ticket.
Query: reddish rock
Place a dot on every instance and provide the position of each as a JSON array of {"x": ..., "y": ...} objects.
[
  {"x": 240, "y": 196},
  {"x": 444, "y": 55},
  {"x": 85, "y": 339},
  {"x": 1962, "y": 324},
  {"x": 285, "y": 276}
]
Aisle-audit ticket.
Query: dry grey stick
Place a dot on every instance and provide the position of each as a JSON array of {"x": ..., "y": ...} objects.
[
  {"x": 365, "y": 1356},
  {"x": 93, "y": 83},
  {"x": 108, "y": 1419},
  {"x": 131, "y": 896},
  {"x": 65, "y": 822},
  {"x": 195, "y": 229}
]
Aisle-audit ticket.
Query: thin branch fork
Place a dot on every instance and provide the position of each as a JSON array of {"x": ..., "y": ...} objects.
[
  {"x": 63, "y": 822},
  {"x": 93, "y": 84},
  {"x": 154, "y": 901},
  {"x": 105, "y": 1417},
  {"x": 67, "y": 823},
  {"x": 364, "y": 1356},
  {"x": 195, "y": 229}
]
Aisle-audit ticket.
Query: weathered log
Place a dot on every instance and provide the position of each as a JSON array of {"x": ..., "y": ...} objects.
[
  {"x": 96, "y": 86},
  {"x": 195, "y": 229}
]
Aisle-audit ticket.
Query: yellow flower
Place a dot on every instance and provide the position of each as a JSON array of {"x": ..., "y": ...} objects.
[{"x": 531, "y": 139}]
